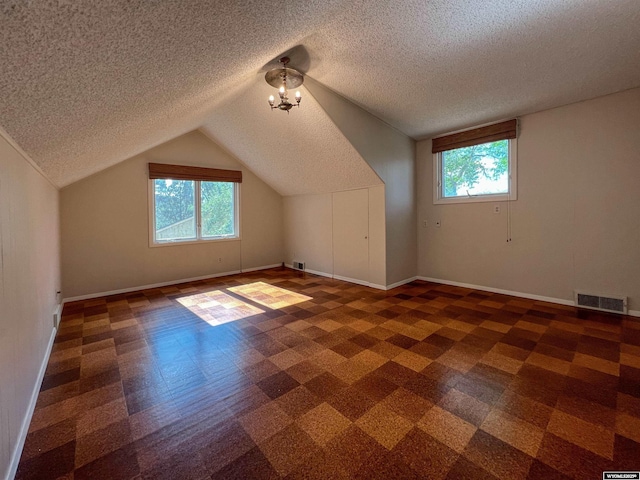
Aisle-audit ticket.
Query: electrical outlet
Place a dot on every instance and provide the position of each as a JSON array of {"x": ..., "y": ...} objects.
[
  {"x": 424, "y": 224},
  {"x": 496, "y": 209},
  {"x": 438, "y": 223},
  {"x": 219, "y": 259}
]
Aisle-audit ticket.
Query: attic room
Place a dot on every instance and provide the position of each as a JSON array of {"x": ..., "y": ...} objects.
[{"x": 335, "y": 293}]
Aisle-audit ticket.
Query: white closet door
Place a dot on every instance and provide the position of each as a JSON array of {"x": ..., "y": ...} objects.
[{"x": 351, "y": 235}]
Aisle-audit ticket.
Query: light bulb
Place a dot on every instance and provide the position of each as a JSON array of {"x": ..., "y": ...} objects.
[
  {"x": 281, "y": 89},
  {"x": 298, "y": 95},
  {"x": 271, "y": 100}
]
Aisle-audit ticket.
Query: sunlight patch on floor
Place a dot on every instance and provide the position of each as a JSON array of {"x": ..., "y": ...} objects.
[
  {"x": 268, "y": 295},
  {"x": 217, "y": 307}
]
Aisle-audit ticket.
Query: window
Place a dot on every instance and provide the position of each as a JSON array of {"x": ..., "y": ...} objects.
[
  {"x": 476, "y": 165},
  {"x": 189, "y": 209}
]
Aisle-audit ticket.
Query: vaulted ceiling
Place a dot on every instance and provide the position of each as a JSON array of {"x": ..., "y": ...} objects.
[{"x": 85, "y": 85}]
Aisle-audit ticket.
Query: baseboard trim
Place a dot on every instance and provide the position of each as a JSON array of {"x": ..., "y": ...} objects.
[
  {"x": 308, "y": 270},
  {"x": 26, "y": 421},
  {"x": 146, "y": 287},
  {"x": 319, "y": 273},
  {"x": 529, "y": 296},
  {"x": 400, "y": 283},
  {"x": 352, "y": 280},
  {"x": 264, "y": 267}
]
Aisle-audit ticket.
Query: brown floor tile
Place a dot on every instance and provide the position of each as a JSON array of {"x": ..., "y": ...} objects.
[
  {"x": 570, "y": 459},
  {"x": 54, "y": 463},
  {"x": 323, "y": 423},
  {"x": 447, "y": 428},
  {"x": 265, "y": 421},
  {"x": 407, "y": 404},
  {"x": 49, "y": 438},
  {"x": 465, "y": 406},
  {"x": 425, "y": 455},
  {"x": 334, "y": 380},
  {"x": 351, "y": 403},
  {"x": 252, "y": 464},
  {"x": 384, "y": 425},
  {"x": 589, "y": 436},
  {"x": 512, "y": 430},
  {"x": 101, "y": 442},
  {"x": 288, "y": 449},
  {"x": 628, "y": 426},
  {"x": 497, "y": 457}
]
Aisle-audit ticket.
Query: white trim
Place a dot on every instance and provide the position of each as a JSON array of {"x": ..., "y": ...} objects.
[
  {"x": 316, "y": 272},
  {"x": 352, "y": 280},
  {"x": 265, "y": 267},
  {"x": 151, "y": 199},
  {"x": 560, "y": 301},
  {"x": 530, "y": 296},
  {"x": 146, "y": 287},
  {"x": 400, "y": 283},
  {"x": 26, "y": 421},
  {"x": 511, "y": 195},
  {"x": 308, "y": 270}
]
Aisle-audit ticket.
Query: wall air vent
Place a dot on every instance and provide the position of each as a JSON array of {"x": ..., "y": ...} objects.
[
  {"x": 298, "y": 265},
  {"x": 602, "y": 303}
]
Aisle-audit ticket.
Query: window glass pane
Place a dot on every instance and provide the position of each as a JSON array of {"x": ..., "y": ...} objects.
[
  {"x": 478, "y": 170},
  {"x": 217, "y": 203},
  {"x": 175, "y": 210}
]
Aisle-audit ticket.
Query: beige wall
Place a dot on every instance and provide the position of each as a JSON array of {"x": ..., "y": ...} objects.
[
  {"x": 576, "y": 223},
  {"x": 391, "y": 154},
  {"x": 310, "y": 235},
  {"x": 29, "y": 279},
  {"x": 105, "y": 225}
]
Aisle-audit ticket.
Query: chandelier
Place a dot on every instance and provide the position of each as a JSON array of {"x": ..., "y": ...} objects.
[{"x": 283, "y": 78}]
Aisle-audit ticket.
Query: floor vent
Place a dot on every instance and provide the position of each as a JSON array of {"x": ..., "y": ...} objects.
[
  {"x": 298, "y": 265},
  {"x": 599, "y": 302}
]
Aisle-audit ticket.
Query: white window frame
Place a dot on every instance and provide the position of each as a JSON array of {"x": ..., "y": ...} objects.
[
  {"x": 440, "y": 199},
  {"x": 199, "y": 238}
]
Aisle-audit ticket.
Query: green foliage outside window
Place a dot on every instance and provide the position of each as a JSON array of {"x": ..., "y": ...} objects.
[
  {"x": 175, "y": 201},
  {"x": 464, "y": 168},
  {"x": 175, "y": 209},
  {"x": 217, "y": 209}
]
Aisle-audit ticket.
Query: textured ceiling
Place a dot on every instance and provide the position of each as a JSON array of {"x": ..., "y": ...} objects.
[
  {"x": 302, "y": 152},
  {"x": 85, "y": 84},
  {"x": 429, "y": 67}
]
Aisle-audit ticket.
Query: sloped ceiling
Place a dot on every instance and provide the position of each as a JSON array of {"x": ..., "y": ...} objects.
[
  {"x": 85, "y": 85},
  {"x": 302, "y": 152}
]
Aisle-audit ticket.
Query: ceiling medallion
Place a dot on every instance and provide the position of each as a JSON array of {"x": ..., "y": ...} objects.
[{"x": 283, "y": 78}]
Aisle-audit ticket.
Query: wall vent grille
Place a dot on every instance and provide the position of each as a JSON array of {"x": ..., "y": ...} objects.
[
  {"x": 298, "y": 265},
  {"x": 601, "y": 302}
]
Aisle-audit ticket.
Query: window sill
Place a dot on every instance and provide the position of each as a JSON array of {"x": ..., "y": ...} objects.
[
  {"x": 193, "y": 242},
  {"x": 503, "y": 197}
]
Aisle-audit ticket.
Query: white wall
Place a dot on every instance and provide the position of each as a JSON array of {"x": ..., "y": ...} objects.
[
  {"x": 391, "y": 155},
  {"x": 309, "y": 233},
  {"x": 105, "y": 225},
  {"x": 29, "y": 280},
  {"x": 576, "y": 222}
]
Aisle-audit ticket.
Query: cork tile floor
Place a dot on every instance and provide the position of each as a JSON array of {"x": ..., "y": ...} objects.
[{"x": 283, "y": 374}]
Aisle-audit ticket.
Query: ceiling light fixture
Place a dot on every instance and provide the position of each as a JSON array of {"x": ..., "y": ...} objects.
[{"x": 281, "y": 78}]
